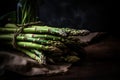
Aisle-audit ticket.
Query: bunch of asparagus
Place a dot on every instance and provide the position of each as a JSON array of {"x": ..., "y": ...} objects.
[{"x": 43, "y": 43}]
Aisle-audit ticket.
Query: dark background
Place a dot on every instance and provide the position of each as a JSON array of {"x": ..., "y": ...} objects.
[
  {"x": 95, "y": 15},
  {"x": 7, "y": 6}
]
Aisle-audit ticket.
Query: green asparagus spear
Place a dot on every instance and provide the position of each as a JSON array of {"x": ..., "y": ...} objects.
[
  {"x": 40, "y": 55},
  {"x": 42, "y": 30},
  {"x": 52, "y": 30},
  {"x": 32, "y": 55},
  {"x": 39, "y": 47},
  {"x": 44, "y": 36},
  {"x": 75, "y": 32},
  {"x": 30, "y": 39}
]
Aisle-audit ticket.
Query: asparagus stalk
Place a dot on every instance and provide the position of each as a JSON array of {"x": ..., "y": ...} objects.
[
  {"x": 9, "y": 25},
  {"x": 39, "y": 47},
  {"x": 63, "y": 45},
  {"x": 75, "y": 32},
  {"x": 30, "y": 39},
  {"x": 44, "y": 36},
  {"x": 32, "y": 55},
  {"x": 40, "y": 55},
  {"x": 60, "y": 31},
  {"x": 70, "y": 31},
  {"x": 30, "y": 46},
  {"x": 42, "y": 30}
]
